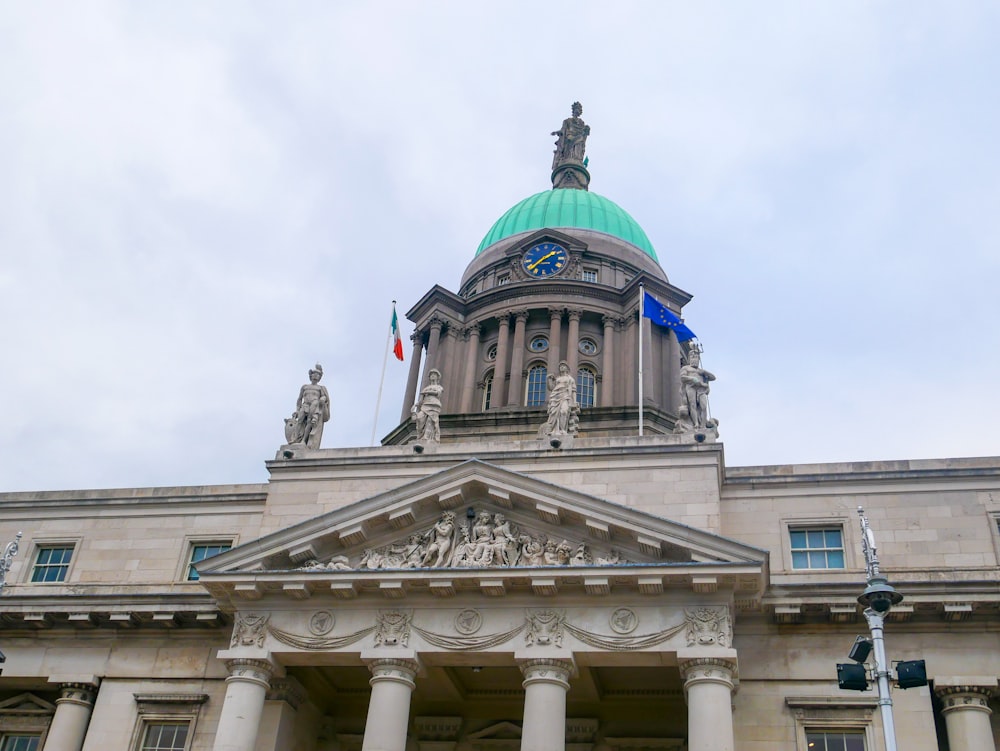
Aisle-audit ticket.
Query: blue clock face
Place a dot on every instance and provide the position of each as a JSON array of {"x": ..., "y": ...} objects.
[{"x": 545, "y": 259}]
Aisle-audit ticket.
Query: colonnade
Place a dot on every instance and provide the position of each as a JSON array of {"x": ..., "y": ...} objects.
[{"x": 617, "y": 340}]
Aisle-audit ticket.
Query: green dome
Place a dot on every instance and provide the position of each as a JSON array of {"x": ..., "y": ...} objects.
[{"x": 578, "y": 209}]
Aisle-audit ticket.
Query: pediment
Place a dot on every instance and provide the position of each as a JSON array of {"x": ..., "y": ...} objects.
[
  {"x": 479, "y": 520},
  {"x": 26, "y": 703}
]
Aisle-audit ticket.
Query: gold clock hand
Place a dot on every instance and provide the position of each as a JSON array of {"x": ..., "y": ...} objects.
[{"x": 531, "y": 267}]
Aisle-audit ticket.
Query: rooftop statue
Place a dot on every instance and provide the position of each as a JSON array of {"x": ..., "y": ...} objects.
[
  {"x": 694, "y": 414},
  {"x": 564, "y": 412},
  {"x": 571, "y": 142},
  {"x": 312, "y": 410},
  {"x": 427, "y": 410}
]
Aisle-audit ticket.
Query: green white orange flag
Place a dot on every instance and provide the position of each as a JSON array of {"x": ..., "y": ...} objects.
[{"x": 397, "y": 340}]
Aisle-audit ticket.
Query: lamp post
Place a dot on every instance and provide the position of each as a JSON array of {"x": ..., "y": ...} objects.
[
  {"x": 7, "y": 560},
  {"x": 878, "y": 599}
]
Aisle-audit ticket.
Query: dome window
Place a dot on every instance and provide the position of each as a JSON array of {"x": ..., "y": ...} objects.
[
  {"x": 588, "y": 346},
  {"x": 539, "y": 344},
  {"x": 491, "y": 352}
]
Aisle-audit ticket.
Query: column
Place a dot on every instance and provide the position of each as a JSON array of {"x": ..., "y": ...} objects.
[
  {"x": 433, "y": 344},
  {"x": 672, "y": 373},
  {"x": 411, "y": 381},
  {"x": 708, "y": 689},
  {"x": 555, "y": 339},
  {"x": 246, "y": 689},
  {"x": 517, "y": 359},
  {"x": 546, "y": 682},
  {"x": 500, "y": 367},
  {"x": 392, "y": 683},
  {"x": 69, "y": 724},
  {"x": 471, "y": 367},
  {"x": 967, "y": 716},
  {"x": 608, "y": 362},
  {"x": 573, "y": 341},
  {"x": 649, "y": 368}
]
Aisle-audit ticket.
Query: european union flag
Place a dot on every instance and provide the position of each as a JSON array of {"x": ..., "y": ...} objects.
[{"x": 661, "y": 315}]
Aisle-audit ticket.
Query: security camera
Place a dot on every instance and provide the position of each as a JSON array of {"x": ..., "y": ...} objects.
[
  {"x": 880, "y": 596},
  {"x": 880, "y": 602}
]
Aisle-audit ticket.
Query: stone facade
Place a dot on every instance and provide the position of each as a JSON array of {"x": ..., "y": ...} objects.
[{"x": 489, "y": 586}]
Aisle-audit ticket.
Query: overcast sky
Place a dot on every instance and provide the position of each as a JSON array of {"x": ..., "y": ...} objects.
[{"x": 198, "y": 201}]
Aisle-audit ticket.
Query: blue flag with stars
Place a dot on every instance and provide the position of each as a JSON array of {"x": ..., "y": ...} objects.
[{"x": 661, "y": 315}]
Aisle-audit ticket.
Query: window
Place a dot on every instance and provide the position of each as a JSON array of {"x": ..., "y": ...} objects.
[
  {"x": 52, "y": 563},
  {"x": 817, "y": 548},
  {"x": 539, "y": 344},
  {"x": 536, "y": 387},
  {"x": 835, "y": 741},
  {"x": 19, "y": 742},
  {"x": 487, "y": 390},
  {"x": 590, "y": 275},
  {"x": 588, "y": 346},
  {"x": 502, "y": 280},
  {"x": 586, "y": 381},
  {"x": 165, "y": 736},
  {"x": 491, "y": 352},
  {"x": 202, "y": 550}
]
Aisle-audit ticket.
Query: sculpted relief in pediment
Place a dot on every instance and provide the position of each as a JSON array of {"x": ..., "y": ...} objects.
[{"x": 485, "y": 540}]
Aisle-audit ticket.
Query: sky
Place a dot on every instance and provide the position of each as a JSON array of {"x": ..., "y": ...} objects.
[{"x": 199, "y": 201}]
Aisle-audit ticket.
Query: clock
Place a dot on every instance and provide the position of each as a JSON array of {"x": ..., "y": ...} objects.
[{"x": 544, "y": 259}]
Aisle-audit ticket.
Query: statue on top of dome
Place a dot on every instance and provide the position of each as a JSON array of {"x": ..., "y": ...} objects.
[{"x": 571, "y": 142}]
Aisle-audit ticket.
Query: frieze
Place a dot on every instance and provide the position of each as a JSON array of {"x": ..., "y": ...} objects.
[
  {"x": 540, "y": 628},
  {"x": 484, "y": 541}
]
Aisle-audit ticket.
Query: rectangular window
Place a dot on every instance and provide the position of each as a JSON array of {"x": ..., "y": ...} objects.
[
  {"x": 202, "y": 550},
  {"x": 51, "y": 564},
  {"x": 19, "y": 742},
  {"x": 590, "y": 275},
  {"x": 817, "y": 548},
  {"x": 165, "y": 736},
  {"x": 501, "y": 280},
  {"x": 835, "y": 741}
]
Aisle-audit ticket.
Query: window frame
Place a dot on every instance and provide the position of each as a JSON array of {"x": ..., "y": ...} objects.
[
  {"x": 829, "y": 714},
  {"x": 488, "y": 382},
  {"x": 6, "y": 736},
  {"x": 586, "y": 271},
  {"x": 166, "y": 709},
  {"x": 593, "y": 390},
  {"x": 191, "y": 542},
  {"x": 50, "y": 543},
  {"x": 813, "y": 523},
  {"x": 26, "y": 715},
  {"x": 544, "y": 387}
]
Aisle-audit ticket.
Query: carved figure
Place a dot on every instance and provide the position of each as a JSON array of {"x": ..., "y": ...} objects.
[
  {"x": 707, "y": 627},
  {"x": 545, "y": 627},
  {"x": 249, "y": 630},
  {"x": 482, "y": 539},
  {"x": 532, "y": 551},
  {"x": 427, "y": 410},
  {"x": 504, "y": 543},
  {"x": 571, "y": 139},
  {"x": 392, "y": 628},
  {"x": 312, "y": 411},
  {"x": 562, "y": 406},
  {"x": 442, "y": 539},
  {"x": 694, "y": 389}
]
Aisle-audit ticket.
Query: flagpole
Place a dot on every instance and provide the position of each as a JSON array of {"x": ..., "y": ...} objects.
[
  {"x": 381, "y": 381},
  {"x": 642, "y": 310}
]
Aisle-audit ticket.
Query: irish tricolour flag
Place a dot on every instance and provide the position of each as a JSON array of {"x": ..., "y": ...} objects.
[{"x": 397, "y": 341}]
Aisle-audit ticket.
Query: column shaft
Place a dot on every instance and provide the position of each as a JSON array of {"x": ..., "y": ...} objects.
[
  {"x": 708, "y": 688},
  {"x": 69, "y": 724},
  {"x": 389, "y": 706},
  {"x": 471, "y": 366},
  {"x": 433, "y": 345},
  {"x": 672, "y": 373},
  {"x": 517, "y": 359},
  {"x": 649, "y": 368},
  {"x": 608, "y": 363},
  {"x": 546, "y": 682},
  {"x": 555, "y": 339},
  {"x": 967, "y": 717},
  {"x": 573, "y": 341},
  {"x": 499, "y": 397},
  {"x": 411, "y": 381},
  {"x": 246, "y": 689}
]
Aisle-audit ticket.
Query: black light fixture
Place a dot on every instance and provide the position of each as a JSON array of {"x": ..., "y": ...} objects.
[
  {"x": 852, "y": 676},
  {"x": 911, "y": 673},
  {"x": 861, "y": 649}
]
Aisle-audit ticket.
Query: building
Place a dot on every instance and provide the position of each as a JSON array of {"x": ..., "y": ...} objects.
[{"x": 516, "y": 567}]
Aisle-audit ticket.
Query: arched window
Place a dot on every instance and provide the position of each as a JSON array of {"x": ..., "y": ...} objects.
[
  {"x": 536, "y": 386},
  {"x": 487, "y": 390},
  {"x": 586, "y": 387}
]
